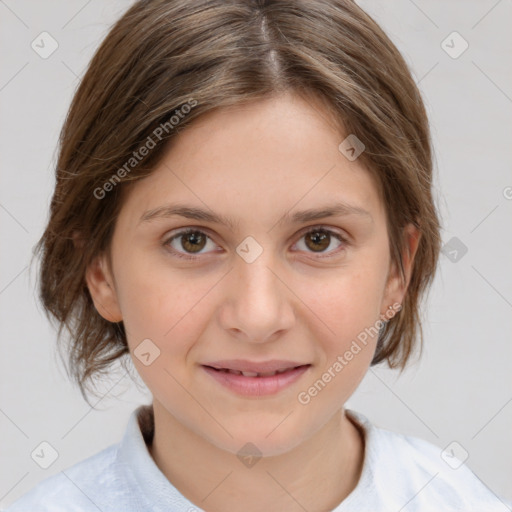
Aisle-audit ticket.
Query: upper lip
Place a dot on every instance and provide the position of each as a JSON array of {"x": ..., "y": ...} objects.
[{"x": 243, "y": 365}]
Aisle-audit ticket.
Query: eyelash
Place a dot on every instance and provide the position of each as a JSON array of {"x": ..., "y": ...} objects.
[{"x": 314, "y": 229}]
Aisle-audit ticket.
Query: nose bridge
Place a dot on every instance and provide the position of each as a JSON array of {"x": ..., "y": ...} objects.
[
  {"x": 256, "y": 281},
  {"x": 258, "y": 297}
]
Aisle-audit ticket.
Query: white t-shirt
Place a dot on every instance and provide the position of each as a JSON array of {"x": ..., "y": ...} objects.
[{"x": 400, "y": 473}]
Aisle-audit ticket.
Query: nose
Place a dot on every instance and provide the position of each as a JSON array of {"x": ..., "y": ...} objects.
[{"x": 257, "y": 304}]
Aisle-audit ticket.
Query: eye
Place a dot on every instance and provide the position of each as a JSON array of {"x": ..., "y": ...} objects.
[
  {"x": 318, "y": 239},
  {"x": 193, "y": 241}
]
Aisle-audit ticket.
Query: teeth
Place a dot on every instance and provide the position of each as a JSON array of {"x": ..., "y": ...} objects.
[{"x": 255, "y": 374}]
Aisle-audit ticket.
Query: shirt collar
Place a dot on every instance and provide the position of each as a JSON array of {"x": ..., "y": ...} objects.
[
  {"x": 365, "y": 488},
  {"x": 144, "y": 476},
  {"x": 151, "y": 485}
]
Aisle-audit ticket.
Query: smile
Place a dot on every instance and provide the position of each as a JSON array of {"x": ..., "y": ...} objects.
[
  {"x": 253, "y": 374},
  {"x": 247, "y": 383}
]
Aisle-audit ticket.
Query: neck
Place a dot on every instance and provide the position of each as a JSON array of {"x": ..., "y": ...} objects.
[{"x": 318, "y": 474}]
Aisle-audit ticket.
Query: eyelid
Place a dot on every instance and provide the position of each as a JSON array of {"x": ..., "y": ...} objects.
[{"x": 323, "y": 227}]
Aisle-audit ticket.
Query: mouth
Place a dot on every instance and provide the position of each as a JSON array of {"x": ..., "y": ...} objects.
[
  {"x": 256, "y": 384},
  {"x": 256, "y": 374}
]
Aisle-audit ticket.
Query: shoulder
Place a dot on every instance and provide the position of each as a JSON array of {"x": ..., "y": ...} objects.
[
  {"x": 407, "y": 469},
  {"x": 76, "y": 488}
]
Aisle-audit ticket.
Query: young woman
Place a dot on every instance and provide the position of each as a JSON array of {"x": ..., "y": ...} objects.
[{"x": 244, "y": 210}]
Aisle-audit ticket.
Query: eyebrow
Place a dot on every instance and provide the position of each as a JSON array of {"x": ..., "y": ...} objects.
[{"x": 338, "y": 209}]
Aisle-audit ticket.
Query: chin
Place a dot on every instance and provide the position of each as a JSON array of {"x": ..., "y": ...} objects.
[{"x": 263, "y": 438}]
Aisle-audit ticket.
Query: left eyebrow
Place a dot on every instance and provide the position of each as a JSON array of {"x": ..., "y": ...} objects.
[
  {"x": 339, "y": 209},
  {"x": 194, "y": 213}
]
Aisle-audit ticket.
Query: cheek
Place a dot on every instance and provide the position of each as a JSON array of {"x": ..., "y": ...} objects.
[
  {"x": 163, "y": 304},
  {"x": 168, "y": 309},
  {"x": 347, "y": 305},
  {"x": 350, "y": 298},
  {"x": 346, "y": 311}
]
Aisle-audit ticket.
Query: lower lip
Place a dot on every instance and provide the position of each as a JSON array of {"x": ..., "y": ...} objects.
[{"x": 257, "y": 386}]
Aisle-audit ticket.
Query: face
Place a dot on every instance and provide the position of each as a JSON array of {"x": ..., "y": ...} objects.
[{"x": 273, "y": 284}]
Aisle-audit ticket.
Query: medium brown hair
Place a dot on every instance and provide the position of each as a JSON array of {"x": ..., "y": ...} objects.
[{"x": 164, "y": 54}]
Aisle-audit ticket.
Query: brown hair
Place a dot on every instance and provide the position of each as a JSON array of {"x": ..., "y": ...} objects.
[{"x": 208, "y": 54}]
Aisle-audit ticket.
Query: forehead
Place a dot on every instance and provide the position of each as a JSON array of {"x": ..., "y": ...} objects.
[{"x": 257, "y": 161}]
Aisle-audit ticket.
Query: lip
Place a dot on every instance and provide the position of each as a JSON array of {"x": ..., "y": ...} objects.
[
  {"x": 257, "y": 386},
  {"x": 243, "y": 365}
]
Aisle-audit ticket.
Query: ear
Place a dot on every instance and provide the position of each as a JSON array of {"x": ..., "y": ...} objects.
[
  {"x": 396, "y": 287},
  {"x": 101, "y": 287}
]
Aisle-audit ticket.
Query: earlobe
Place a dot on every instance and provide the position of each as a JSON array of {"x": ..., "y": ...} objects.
[{"x": 102, "y": 289}]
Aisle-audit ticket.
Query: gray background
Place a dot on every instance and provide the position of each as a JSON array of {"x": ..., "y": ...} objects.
[{"x": 461, "y": 390}]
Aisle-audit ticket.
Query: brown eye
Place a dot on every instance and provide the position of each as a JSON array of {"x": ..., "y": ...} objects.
[
  {"x": 318, "y": 240},
  {"x": 188, "y": 242},
  {"x": 193, "y": 241}
]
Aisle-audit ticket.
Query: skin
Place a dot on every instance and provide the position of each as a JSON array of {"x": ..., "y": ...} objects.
[{"x": 253, "y": 163}]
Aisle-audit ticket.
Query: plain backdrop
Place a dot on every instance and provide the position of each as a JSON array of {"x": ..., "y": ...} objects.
[{"x": 461, "y": 390}]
